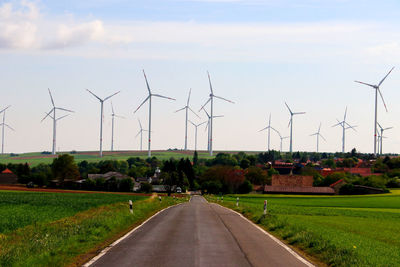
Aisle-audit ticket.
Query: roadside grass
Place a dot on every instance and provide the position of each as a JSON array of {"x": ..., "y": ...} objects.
[
  {"x": 74, "y": 236},
  {"x": 337, "y": 230}
]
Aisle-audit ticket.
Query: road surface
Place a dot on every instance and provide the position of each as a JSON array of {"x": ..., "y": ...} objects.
[{"x": 198, "y": 233}]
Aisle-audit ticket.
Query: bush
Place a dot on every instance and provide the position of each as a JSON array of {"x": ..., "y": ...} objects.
[
  {"x": 146, "y": 188},
  {"x": 126, "y": 185},
  {"x": 245, "y": 187},
  {"x": 393, "y": 183},
  {"x": 212, "y": 187}
]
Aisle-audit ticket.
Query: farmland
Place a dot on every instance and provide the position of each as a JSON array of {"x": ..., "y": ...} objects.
[
  {"x": 42, "y": 229},
  {"x": 340, "y": 230},
  {"x": 34, "y": 159}
]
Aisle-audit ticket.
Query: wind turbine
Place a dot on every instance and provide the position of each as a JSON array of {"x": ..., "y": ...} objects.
[
  {"x": 149, "y": 98},
  {"x": 4, "y": 124},
  {"x": 207, "y": 126},
  {"x": 101, "y": 117},
  {"x": 52, "y": 115},
  {"x": 212, "y": 111},
  {"x": 345, "y": 126},
  {"x": 113, "y": 115},
  {"x": 269, "y": 127},
  {"x": 281, "y": 137},
  {"x": 377, "y": 90},
  {"x": 291, "y": 125},
  {"x": 187, "y": 108},
  {"x": 318, "y": 134},
  {"x": 195, "y": 135},
  {"x": 141, "y": 134},
  {"x": 381, "y": 136}
]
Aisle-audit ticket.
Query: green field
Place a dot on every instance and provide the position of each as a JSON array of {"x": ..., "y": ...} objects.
[
  {"x": 36, "y": 158},
  {"x": 56, "y": 229},
  {"x": 338, "y": 230}
]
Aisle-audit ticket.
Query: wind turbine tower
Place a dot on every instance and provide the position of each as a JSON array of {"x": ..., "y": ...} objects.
[
  {"x": 52, "y": 115},
  {"x": 345, "y": 126},
  {"x": 187, "y": 108},
  {"x": 113, "y": 115},
  {"x": 291, "y": 126},
  {"x": 208, "y": 127},
  {"x": 281, "y": 137},
  {"x": 101, "y": 117},
  {"x": 3, "y": 124},
  {"x": 195, "y": 135},
  {"x": 269, "y": 127},
  {"x": 149, "y": 98},
  {"x": 212, "y": 96},
  {"x": 318, "y": 134},
  {"x": 381, "y": 136},
  {"x": 141, "y": 134},
  {"x": 377, "y": 90}
]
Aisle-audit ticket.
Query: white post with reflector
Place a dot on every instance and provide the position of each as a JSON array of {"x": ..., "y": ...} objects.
[
  {"x": 130, "y": 206},
  {"x": 265, "y": 207}
]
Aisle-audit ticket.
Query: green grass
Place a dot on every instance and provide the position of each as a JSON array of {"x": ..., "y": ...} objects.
[
  {"x": 338, "y": 230},
  {"x": 36, "y": 158},
  {"x": 56, "y": 229}
]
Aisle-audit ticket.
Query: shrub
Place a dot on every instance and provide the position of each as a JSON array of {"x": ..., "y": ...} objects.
[
  {"x": 126, "y": 185},
  {"x": 245, "y": 187},
  {"x": 146, "y": 188}
]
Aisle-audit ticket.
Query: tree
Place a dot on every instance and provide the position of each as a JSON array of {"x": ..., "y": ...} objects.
[
  {"x": 64, "y": 167},
  {"x": 245, "y": 188},
  {"x": 195, "y": 158},
  {"x": 256, "y": 175}
]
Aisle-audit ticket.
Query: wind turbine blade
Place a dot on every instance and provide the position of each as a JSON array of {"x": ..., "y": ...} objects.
[
  {"x": 345, "y": 114},
  {"x": 62, "y": 117},
  {"x": 319, "y": 128},
  {"x": 218, "y": 116},
  {"x": 111, "y": 96},
  {"x": 379, "y": 84},
  {"x": 4, "y": 109},
  {"x": 313, "y": 134},
  {"x": 382, "y": 99},
  {"x": 190, "y": 91},
  {"x": 147, "y": 83},
  {"x": 289, "y": 123},
  {"x": 11, "y": 128},
  {"x": 192, "y": 123},
  {"x": 170, "y": 98},
  {"x": 208, "y": 123},
  {"x": 263, "y": 129},
  {"x": 289, "y": 108},
  {"x": 94, "y": 95},
  {"x": 201, "y": 123},
  {"x": 276, "y": 131},
  {"x": 339, "y": 123},
  {"x": 194, "y": 112},
  {"x": 298, "y": 113},
  {"x": 269, "y": 121},
  {"x": 140, "y": 125},
  {"x": 209, "y": 80},
  {"x": 180, "y": 109},
  {"x": 138, "y": 133},
  {"x": 64, "y": 109},
  {"x": 51, "y": 97},
  {"x": 47, "y": 114},
  {"x": 379, "y": 125},
  {"x": 112, "y": 108},
  {"x": 118, "y": 116},
  {"x": 373, "y": 86},
  {"x": 225, "y": 99},
  {"x": 142, "y": 104},
  {"x": 202, "y": 107},
  {"x": 388, "y": 128},
  {"x": 322, "y": 137}
]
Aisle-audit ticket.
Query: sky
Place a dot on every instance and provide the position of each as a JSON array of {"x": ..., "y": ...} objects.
[{"x": 259, "y": 53}]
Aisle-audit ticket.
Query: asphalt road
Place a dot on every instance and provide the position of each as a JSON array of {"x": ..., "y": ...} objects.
[{"x": 198, "y": 234}]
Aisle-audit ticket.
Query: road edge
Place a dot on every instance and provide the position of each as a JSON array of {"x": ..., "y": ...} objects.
[
  {"x": 106, "y": 249},
  {"x": 279, "y": 242}
]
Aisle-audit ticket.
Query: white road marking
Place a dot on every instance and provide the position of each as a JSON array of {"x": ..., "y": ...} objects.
[
  {"x": 104, "y": 251},
  {"x": 291, "y": 251}
]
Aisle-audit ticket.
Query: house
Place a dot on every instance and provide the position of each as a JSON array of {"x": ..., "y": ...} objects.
[
  {"x": 8, "y": 177},
  {"x": 295, "y": 184},
  {"x": 107, "y": 176}
]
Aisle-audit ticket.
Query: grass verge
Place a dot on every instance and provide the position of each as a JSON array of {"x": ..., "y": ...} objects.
[
  {"x": 338, "y": 231},
  {"x": 73, "y": 240}
]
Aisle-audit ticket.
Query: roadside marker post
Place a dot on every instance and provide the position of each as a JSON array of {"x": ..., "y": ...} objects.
[
  {"x": 222, "y": 199},
  {"x": 217, "y": 199},
  {"x": 237, "y": 202},
  {"x": 130, "y": 206},
  {"x": 159, "y": 197},
  {"x": 265, "y": 207}
]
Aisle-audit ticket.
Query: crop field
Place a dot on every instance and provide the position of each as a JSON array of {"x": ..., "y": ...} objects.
[
  {"x": 57, "y": 229},
  {"x": 36, "y": 158},
  {"x": 337, "y": 230}
]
